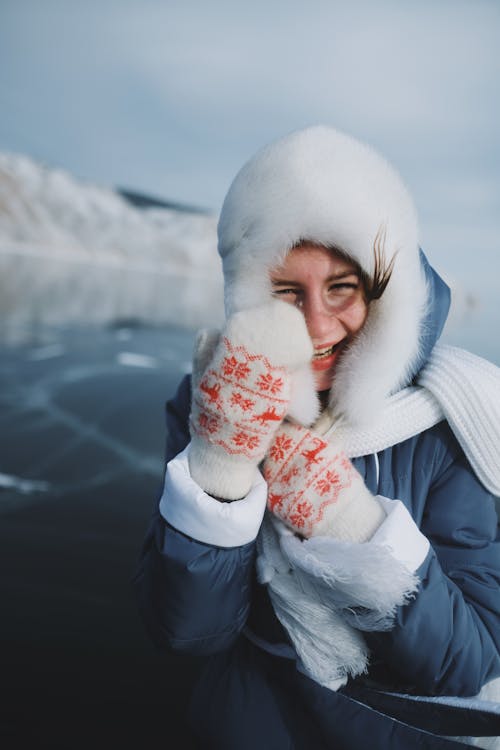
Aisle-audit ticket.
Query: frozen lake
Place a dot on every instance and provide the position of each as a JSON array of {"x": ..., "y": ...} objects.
[{"x": 82, "y": 435}]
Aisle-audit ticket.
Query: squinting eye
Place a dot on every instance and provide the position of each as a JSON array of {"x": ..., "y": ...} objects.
[
  {"x": 291, "y": 296},
  {"x": 343, "y": 287},
  {"x": 340, "y": 294},
  {"x": 342, "y": 290}
]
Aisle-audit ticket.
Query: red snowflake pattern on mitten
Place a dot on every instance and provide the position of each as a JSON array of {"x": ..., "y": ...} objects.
[
  {"x": 249, "y": 389},
  {"x": 244, "y": 440},
  {"x": 300, "y": 514},
  {"x": 209, "y": 424},
  {"x": 327, "y": 483},
  {"x": 237, "y": 399},
  {"x": 306, "y": 477},
  {"x": 268, "y": 383},
  {"x": 233, "y": 367},
  {"x": 280, "y": 447}
]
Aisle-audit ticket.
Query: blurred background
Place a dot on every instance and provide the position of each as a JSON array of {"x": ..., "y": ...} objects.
[{"x": 122, "y": 125}]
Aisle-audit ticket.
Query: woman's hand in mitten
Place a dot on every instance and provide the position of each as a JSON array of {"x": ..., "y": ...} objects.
[
  {"x": 315, "y": 490},
  {"x": 241, "y": 393}
]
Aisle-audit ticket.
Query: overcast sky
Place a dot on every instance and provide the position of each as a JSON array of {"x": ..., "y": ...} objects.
[{"x": 171, "y": 97}]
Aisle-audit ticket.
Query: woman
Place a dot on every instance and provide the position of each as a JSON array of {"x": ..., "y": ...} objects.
[{"x": 326, "y": 535}]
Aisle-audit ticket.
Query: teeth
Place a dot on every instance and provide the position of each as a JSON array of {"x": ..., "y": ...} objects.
[{"x": 324, "y": 352}]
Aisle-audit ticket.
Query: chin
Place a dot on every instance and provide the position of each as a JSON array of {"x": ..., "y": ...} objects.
[
  {"x": 323, "y": 370},
  {"x": 323, "y": 381}
]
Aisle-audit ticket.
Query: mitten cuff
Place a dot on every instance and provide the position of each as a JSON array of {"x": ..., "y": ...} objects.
[
  {"x": 219, "y": 473},
  {"x": 358, "y": 516}
]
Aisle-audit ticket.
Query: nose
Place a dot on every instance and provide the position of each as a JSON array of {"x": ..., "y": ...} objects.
[{"x": 322, "y": 324}]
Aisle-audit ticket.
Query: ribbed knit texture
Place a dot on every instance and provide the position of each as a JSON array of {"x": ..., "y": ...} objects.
[
  {"x": 467, "y": 389},
  {"x": 455, "y": 385}
]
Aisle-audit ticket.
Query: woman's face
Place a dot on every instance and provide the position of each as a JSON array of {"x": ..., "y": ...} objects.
[{"x": 330, "y": 293}]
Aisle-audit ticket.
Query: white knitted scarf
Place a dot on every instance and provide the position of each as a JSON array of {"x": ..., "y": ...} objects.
[
  {"x": 325, "y": 592},
  {"x": 455, "y": 385}
]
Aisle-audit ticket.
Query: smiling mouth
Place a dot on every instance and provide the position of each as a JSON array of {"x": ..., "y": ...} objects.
[{"x": 326, "y": 352}]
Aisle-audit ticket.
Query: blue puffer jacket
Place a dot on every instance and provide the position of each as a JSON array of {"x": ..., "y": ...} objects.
[{"x": 202, "y": 599}]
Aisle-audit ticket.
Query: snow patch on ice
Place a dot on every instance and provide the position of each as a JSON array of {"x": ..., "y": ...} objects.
[
  {"x": 24, "y": 486},
  {"x": 46, "y": 352},
  {"x": 132, "y": 359}
]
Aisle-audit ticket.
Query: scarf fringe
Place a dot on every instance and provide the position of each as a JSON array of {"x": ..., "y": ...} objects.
[
  {"x": 324, "y": 593},
  {"x": 364, "y": 581}
]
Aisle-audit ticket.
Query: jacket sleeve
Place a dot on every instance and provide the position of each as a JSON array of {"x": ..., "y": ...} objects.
[
  {"x": 193, "y": 595},
  {"x": 447, "y": 639}
]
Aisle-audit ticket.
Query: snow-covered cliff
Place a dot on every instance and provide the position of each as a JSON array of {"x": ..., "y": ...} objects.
[{"x": 75, "y": 253}]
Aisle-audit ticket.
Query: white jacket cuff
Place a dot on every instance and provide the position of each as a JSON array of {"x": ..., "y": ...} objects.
[
  {"x": 189, "y": 509},
  {"x": 401, "y": 535}
]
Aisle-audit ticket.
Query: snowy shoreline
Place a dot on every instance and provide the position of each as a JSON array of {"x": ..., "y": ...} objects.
[{"x": 73, "y": 253}]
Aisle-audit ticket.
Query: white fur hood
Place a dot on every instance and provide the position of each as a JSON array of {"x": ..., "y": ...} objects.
[{"x": 323, "y": 186}]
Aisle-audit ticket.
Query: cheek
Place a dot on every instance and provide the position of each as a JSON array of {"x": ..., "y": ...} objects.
[{"x": 354, "y": 317}]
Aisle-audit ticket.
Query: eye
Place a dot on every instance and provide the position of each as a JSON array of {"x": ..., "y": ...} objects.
[
  {"x": 341, "y": 293},
  {"x": 343, "y": 286},
  {"x": 289, "y": 294}
]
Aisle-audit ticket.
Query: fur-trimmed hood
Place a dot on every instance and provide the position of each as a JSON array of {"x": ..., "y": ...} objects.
[{"x": 323, "y": 186}]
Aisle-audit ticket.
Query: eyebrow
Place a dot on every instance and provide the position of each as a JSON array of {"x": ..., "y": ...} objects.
[{"x": 332, "y": 277}]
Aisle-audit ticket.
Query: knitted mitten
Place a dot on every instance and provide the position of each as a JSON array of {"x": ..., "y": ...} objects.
[
  {"x": 315, "y": 489},
  {"x": 241, "y": 393}
]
